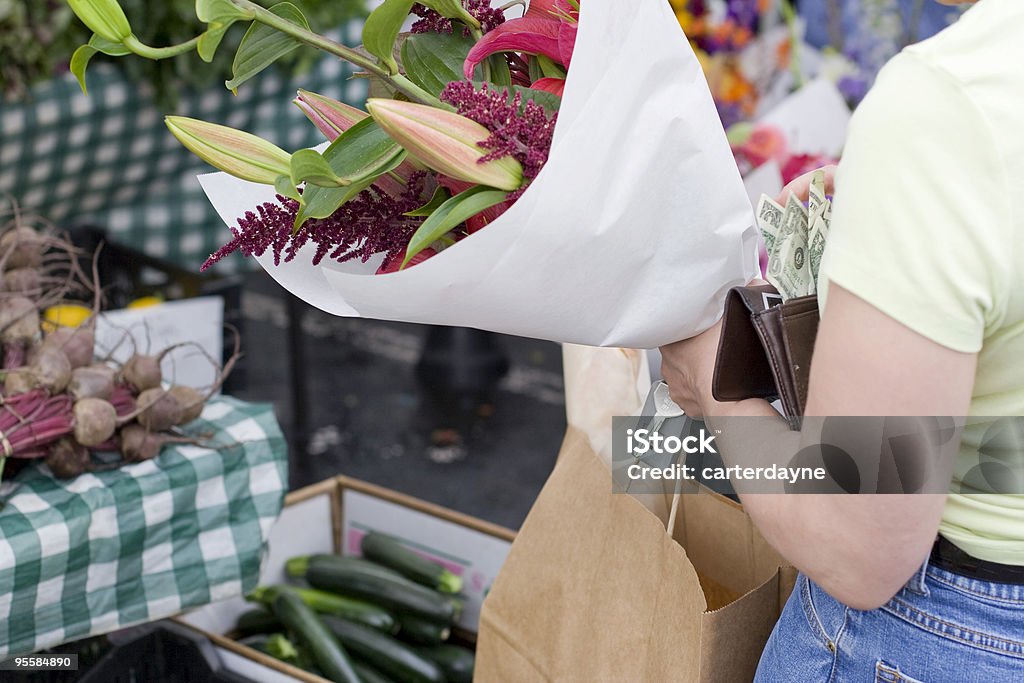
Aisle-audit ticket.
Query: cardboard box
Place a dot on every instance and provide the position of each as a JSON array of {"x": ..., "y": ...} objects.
[{"x": 332, "y": 517}]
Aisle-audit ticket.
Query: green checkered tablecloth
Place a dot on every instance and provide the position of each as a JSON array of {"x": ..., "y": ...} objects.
[
  {"x": 143, "y": 542},
  {"x": 107, "y": 159}
]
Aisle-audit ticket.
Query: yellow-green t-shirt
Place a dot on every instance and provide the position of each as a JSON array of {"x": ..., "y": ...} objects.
[{"x": 928, "y": 227}]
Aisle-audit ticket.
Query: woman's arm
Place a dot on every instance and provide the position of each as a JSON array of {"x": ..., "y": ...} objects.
[{"x": 861, "y": 548}]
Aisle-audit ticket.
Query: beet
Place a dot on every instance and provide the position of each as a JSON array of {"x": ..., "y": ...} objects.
[
  {"x": 95, "y": 421},
  {"x": 19, "y": 320},
  {"x": 139, "y": 444},
  {"x": 22, "y": 247},
  {"x": 77, "y": 343},
  {"x": 52, "y": 368},
  {"x": 92, "y": 382},
  {"x": 142, "y": 372},
  {"x": 190, "y": 401},
  {"x": 68, "y": 458},
  {"x": 159, "y": 410},
  {"x": 22, "y": 280},
  {"x": 20, "y": 381}
]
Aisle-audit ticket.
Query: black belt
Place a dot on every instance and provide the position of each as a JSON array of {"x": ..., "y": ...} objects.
[{"x": 947, "y": 556}]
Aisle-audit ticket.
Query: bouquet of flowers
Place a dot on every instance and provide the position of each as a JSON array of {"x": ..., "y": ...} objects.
[{"x": 561, "y": 174}]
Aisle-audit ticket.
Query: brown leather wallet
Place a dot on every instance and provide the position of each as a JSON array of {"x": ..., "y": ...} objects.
[{"x": 765, "y": 349}]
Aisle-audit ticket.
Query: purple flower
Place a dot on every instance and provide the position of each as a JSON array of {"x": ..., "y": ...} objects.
[
  {"x": 519, "y": 130},
  {"x": 371, "y": 223},
  {"x": 430, "y": 21}
]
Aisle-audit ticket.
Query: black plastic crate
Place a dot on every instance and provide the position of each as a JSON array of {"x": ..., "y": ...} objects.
[{"x": 163, "y": 652}]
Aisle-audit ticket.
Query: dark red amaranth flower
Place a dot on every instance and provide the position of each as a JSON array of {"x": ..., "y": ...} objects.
[
  {"x": 372, "y": 222},
  {"x": 430, "y": 21},
  {"x": 521, "y": 130}
]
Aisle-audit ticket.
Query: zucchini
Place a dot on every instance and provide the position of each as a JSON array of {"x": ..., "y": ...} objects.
[
  {"x": 386, "y": 550},
  {"x": 279, "y": 647},
  {"x": 330, "y": 603},
  {"x": 369, "y": 675},
  {"x": 276, "y": 645},
  {"x": 421, "y": 631},
  {"x": 384, "y": 653},
  {"x": 456, "y": 662},
  {"x": 255, "y": 621},
  {"x": 329, "y": 655},
  {"x": 373, "y": 583},
  {"x": 257, "y": 641}
]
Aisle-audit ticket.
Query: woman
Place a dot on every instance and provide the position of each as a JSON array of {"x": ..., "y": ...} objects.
[{"x": 922, "y": 296}]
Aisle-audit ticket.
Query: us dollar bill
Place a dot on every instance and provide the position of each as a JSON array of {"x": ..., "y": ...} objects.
[
  {"x": 820, "y": 217},
  {"x": 769, "y": 220},
  {"x": 792, "y": 234},
  {"x": 795, "y": 273}
]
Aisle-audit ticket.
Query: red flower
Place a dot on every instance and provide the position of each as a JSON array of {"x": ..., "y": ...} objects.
[
  {"x": 548, "y": 28},
  {"x": 394, "y": 264}
]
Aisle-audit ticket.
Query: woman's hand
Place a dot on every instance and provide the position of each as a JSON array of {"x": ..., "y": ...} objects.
[
  {"x": 801, "y": 185},
  {"x": 688, "y": 367}
]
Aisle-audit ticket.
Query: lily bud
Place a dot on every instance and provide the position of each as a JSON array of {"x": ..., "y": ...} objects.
[
  {"x": 445, "y": 142},
  {"x": 235, "y": 152},
  {"x": 105, "y": 18},
  {"x": 330, "y": 116}
]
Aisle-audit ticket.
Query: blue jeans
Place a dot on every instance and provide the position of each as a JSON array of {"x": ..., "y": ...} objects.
[{"x": 940, "y": 628}]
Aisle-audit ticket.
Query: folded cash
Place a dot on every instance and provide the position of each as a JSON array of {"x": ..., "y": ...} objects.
[{"x": 794, "y": 237}]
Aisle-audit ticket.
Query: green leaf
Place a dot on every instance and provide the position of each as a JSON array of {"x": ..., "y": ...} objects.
[
  {"x": 360, "y": 155},
  {"x": 262, "y": 46},
  {"x": 433, "y": 60},
  {"x": 220, "y": 10},
  {"x": 451, "y": 214},
  {"x": 209, "y": 41},
  {"x": 309, "y": 166},
  {"x": 501, "y": 76},
  {"x": 549, "y": 68},
  {"x": 79, "y": 62},
  {"x": 80, "y": 58},
  {"x": 108, "y": 47},
  {"x": 283, "y": 185},
  {"x": 381, "y": 30},
  {"x": 441, "y": 195}
]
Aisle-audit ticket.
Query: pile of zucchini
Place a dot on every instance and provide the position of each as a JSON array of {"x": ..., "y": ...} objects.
[{"x": 381, "y": 619}]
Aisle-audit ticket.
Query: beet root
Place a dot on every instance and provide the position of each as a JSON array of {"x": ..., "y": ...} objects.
[
  {"x": 22, "y": 247},
  {"x": 190, "y": 401},
  {"x": 142, "y": 372},
  {"x": 52, "y": 368},
  {"x": 159, "y": 410},
  {"x": 22, "y": 280},
  {"x": 95, "y": 421},
  {"x": 139, "y": 444},
  {"x": 77, "y": 343},
  {"x": 91, "y": 382},
  {"x": 19, "y": 320},
  {"x": 20, "y": 381},
  {"x": 68, "y": 459}
]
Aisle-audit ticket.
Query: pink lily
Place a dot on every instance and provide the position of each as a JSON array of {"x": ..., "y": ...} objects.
[
  {"x": 552, "y": 85},
  {"x": 333, "y": 118},
  {"x": 548, "y": 28},
  {"x": 446, "y": 142},
  {"x": 394, "y": 265},
  {"x": 542, "y": 9}
]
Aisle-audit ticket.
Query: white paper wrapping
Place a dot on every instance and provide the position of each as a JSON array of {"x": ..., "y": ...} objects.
[{"x": 630, "y": 236}]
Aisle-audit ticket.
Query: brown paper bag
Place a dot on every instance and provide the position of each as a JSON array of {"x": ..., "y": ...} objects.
[{"x": 595, "y": 590}]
